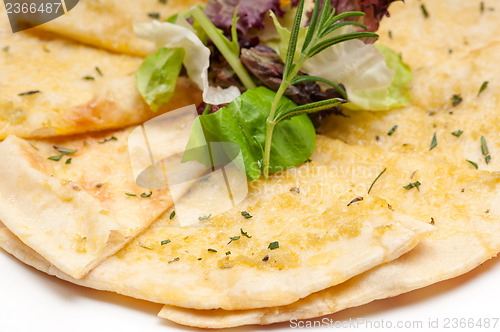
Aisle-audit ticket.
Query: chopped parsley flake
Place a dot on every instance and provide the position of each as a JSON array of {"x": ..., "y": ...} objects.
[
  {"x": 483, "y": 87},
  {"x": 244, "y": 233},
  {"x": 484, "y": 150},
  {"x": 472, "y": 163},
  {"x": 99, "y": 71},
  {"x": 68, "y": 161},
  {"x": 144, "y": 246},
  {"x": 144, "y": 195},
  {"x": 246, "y": 214},
  {"x": 172, "y": 215},
  {"x": 55, "y": 158},
  {"x": 129, "y": 194},
  {"x": 390, "y": 34},
  {"x": 112, "y": 138},
  {"x": 234, "y": 238},
  {"x": 156, "y": 16},
  {"x": 416, "y": 184},
  {"x": 228, "y": 253},
  {"x": 64, "y": 151},
  {"x": 424, "y": 11},
  {"x": 357, "y": 199},
  {"x": 89, "y": 78},
  {"x": 273, "y": 245},
  {"x": 457, "y": 133},
  {"x": 204, "y": 217},
  {"x": 28, "y": 93},
  {"x": 165, "y": 242},
  {"x": 212, "y": 250},
  {"x": 434, "y": 142},
  {"x": 308, "y": 160},
  {"x": 393, "y": 129},
  {"x": 378, "y": 176},
  {"x": 484, "y": 147},
  {"x": 455, "y": 100}
]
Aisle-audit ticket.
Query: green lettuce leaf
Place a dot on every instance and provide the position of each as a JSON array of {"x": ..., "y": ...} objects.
[
  {"x": 196, "y": 59},
  {"x": 156, "y": 78},
  {"x": 396, "y": 95},
  {"x": 243, "y": 122}
]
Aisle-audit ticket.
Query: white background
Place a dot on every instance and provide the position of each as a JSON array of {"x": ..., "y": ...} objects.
[{"x": 32, "y": 301}]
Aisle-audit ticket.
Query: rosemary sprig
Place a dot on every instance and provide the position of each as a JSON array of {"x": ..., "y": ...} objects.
[{"x": 323, "y": 23}]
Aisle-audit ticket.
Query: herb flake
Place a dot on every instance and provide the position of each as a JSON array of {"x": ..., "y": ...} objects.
[
  {"x": 433, "y": 142},
  {"x": 98, "y": 70},
  {"x": 457, "y": 133},
  {"x": 484, "y": 150},
  {"x": 484, "y": 147},
  {"x": 68, "y": 161},
  {"x": 112, "y": 138},
  {"x": 273, "y": 245},
  {"x": 172, "y": 215},
  {"x": 246, "y": 214},
  {"x": 473, "y": 164},
  {"x": 234, "y": 238},
  {"x": 244, "y": 233},
  {"x": 378, "y": 176},
  {"x": 211, "y": 250},
  {"x": 29, "y": 93},
  {"x": 130, "y": 194},
  {"x": 64, "y": 151},
  {"x": 393, "y": 129},
  {"x": 164, "y": 242},
  {"x": 483, "y": 87},
  {"x": 144, "y": 195},
  {"x": 156, "y": 16},
  {"x": 204, "y": 217},
  {"x": 412, "y": 185},
  {"x": 55, "y": 158},
  {"x": 357, "y": 199},
  {"x": 456, "y": 99},
  {"x": 424, "y": 11}
]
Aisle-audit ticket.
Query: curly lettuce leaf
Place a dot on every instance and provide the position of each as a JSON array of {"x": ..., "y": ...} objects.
[
  {"x": 156, "y": 78},
  {"x": 394, "y": 96},
  {"x": 196, "y": 59},
  {"x": 243, "y": 122}
]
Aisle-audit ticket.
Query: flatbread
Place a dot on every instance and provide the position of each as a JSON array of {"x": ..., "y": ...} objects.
[
  {"x": 432, "y": 112},
  {"x": 76, "y": 213},
  {"x": 452, "y": 28},
  {"x": 108, "y": 23},
  {"x": 463, "y": 204},
  {"x": 323, "y": 240},
  {"x": 57, "y": 88}
]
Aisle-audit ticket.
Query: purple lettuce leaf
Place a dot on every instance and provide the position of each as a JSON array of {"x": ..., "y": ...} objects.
[
  {"x": 250, "y": 12},
  {"x": 266, "y": 65},
  {"x": 375, "y": 10}
]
